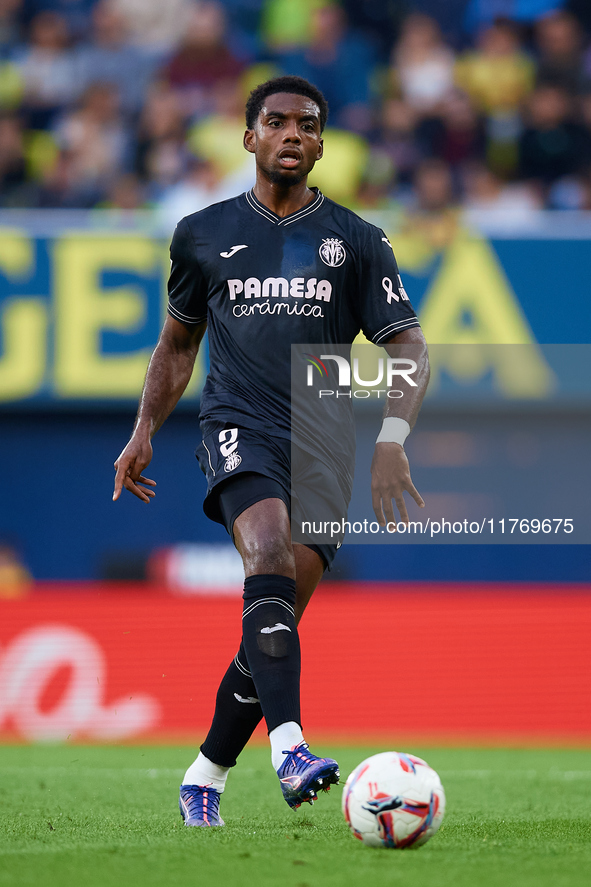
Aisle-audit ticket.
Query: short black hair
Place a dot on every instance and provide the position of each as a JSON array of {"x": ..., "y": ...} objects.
[{"x": 290, "y": 84}]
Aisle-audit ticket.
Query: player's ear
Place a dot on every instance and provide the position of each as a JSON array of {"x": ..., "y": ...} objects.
[
  {"x": 249, "y": 141},
  {"x": 320, "y": 149}
]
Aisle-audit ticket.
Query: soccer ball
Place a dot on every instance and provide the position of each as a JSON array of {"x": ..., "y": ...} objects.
[{"x": 393, "y": 800}]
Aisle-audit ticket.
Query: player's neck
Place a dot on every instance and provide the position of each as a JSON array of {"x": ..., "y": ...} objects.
[{"x": 283, "y": 200}]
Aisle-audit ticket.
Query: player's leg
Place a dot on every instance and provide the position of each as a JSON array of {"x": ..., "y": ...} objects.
[
  {"x": 262, "y": 535},
  {"x": 270, "y": 639},
  {"x": 237, "y": 710}
]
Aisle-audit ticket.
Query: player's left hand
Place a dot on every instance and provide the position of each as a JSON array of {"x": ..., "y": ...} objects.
[
  {"x": 136, "y": 456},
  {"x": 390, "y": 477}
]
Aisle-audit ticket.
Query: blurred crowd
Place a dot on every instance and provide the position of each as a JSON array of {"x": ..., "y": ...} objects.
[{"x": 131, "y": 104}]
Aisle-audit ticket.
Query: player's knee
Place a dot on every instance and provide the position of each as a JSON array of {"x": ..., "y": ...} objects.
[
  {"x": 268, "y": 553},
  {"x": 268, "y": 618}
]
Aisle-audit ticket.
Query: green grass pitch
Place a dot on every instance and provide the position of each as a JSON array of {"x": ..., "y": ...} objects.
[{"x": 99, "y": 816}]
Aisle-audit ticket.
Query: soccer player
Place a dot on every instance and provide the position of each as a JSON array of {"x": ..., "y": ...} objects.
[{"x": 280, "y": 264}]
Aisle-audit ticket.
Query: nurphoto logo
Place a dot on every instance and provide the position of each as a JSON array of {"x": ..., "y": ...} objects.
[{"x": 388, "y": 370}]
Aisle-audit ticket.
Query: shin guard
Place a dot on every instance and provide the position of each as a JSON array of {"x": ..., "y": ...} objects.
[{"x": 272, "y": 645}]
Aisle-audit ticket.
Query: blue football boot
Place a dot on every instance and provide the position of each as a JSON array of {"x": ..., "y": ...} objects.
[
  {"x": 200, "y": 805},
  {"x": 302, "y": 775}
]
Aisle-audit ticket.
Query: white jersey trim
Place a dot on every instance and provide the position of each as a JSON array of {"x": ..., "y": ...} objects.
[
  {"x": 185, "y": 318},
  {"x": 259, "y": 208},
  {"x": 393, "y": 328},
  {"x": 268, "y": 214},
  {"x": 306, "y": 211}
]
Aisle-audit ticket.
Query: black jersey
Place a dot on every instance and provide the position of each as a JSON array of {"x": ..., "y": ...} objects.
[{"x": 264, "y": 282}]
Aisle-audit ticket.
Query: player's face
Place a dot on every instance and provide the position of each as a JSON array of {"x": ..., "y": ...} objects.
[{"x": 286, "y": 139}]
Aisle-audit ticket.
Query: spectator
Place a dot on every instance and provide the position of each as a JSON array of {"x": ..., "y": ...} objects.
[
  {"x": 568, "y": 193},
  {"x": 449, "y": 15},
  {"x": 245, "y": 19},
  {"x": 481, "y": 13},
  {"x": 340, "y": 179},
  {"x": 11, "y": 23},
  {"x": 76, "y": 13},
  {"x": 432, "y": 222},
  {"x": 586, "y": 205},
  {"x": 109, "y": 58},
  {"x": 378, "y": 21},
  {"x": 202, "y": 185},
  {"x": 155, "y": 26},
  {"x": 286, "y": 24},
  {"x": 423, "y": 64},
  {"x": 584, "y": 104},
  {"x": 340, "y": 63},
  {"x": 457, "y": 135},
  {"x": 60, "y": 188},
  {"x": 397, "y": 138},
  {"x": 95, "y": 141},
  {"x": 487, "y": 192},
  {"x": 12, "y": 160},
  {"x": 581, "y": 9},
  {"x": 161, "y": 155},
  {"x": 11, "y": 87},
  {"x": 498, "y": 75},
  {"x": 559, "y": 42},
  {"x": 376, "y": 188},
  {"x": 434, "y": 187},
  {"x": 552, "y": 146},
  {"x": 47, "y": 69},
  {"x": 203, "y": 59},
  {"x": 217, "y": 137},
  {"x": 127, "y": 193}
]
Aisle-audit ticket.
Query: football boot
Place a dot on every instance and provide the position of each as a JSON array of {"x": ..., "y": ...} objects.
[
  {"x": 302, "y": 775},
  {"x": 200, "y": 805}
]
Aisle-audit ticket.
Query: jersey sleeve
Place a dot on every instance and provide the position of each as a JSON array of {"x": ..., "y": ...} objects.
[
  {"x": 385, "y": 308},
  {"x": 187, "y": 290}
]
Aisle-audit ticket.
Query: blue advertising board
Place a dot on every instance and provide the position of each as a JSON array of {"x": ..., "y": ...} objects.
[{"x": 82, "y": 300}]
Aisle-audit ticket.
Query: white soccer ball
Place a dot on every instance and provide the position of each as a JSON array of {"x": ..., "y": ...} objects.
[{"x": 393, "y": 800}]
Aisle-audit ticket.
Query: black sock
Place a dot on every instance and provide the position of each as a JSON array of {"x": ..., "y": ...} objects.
[
  {"x": 236, "y": 714},
  {"x": 272, "y": 645}
]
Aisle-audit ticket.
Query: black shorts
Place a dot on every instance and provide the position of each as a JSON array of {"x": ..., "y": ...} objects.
[{"x": 243, "y": 466}]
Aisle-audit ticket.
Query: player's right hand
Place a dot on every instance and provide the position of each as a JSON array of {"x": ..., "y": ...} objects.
[{"x": 136, "y": 456}]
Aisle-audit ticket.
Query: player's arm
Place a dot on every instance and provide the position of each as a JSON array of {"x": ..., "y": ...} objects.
[
  {"x": 168, "y": 374},
  {"x": 390, "y": 471}
]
